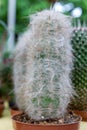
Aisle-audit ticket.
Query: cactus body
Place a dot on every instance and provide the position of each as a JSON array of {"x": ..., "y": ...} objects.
[
  {"x": 42, "y": 65},
  {"x": 79, "y": 78}
]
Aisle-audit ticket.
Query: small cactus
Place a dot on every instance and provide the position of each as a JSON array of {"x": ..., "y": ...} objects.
[
  {"x": 79, "y": 73},
  {"x": 42, "y": 66}
]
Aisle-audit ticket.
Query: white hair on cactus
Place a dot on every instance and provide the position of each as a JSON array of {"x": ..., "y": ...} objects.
[{"x": 42, "y": 65}]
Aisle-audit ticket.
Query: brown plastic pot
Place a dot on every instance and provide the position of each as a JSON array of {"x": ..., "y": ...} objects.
[
  {"x": 14, "y": 112},
  {"x": 1, "y": 109},
  {"x": 1, "y": 101},
  {"x": 83, "y": 114},
  {"x": 25, "y": 126}
]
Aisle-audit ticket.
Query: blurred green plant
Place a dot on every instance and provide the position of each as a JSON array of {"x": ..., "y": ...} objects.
[
  {"x": 3, "y": 14},
  {"x": 23, "y": 10},
  {"x": 3, "y": 9},
  {"x": 6, "y": 83},
  {"x": 6, "y": 61}
]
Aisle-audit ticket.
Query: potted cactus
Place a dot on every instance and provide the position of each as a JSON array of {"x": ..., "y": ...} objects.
[
  {"x": 79, "y": 78},
  {"x": 42, "y": 66}
]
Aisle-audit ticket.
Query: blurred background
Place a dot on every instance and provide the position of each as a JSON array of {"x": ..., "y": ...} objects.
[
  {"x": 14, "y": 15},
  {"x": 14, "y": 19}
]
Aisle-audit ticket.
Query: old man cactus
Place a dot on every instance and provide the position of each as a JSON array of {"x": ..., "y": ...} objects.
[{"x": 42, "y": 65}]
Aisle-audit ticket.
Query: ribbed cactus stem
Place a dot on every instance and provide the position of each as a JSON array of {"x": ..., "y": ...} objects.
[
  {"x": 79, "y": 78},
  {"x": 42, "y": 65}
]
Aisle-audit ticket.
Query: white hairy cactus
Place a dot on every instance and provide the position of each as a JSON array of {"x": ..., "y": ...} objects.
[{"x": 42, "y": 65}]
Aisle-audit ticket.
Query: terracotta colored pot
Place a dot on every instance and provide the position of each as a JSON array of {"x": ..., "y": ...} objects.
[
  {"x": 83, "y": 114},
  {"x": 24, "y": 126},
  {"x": 1, "y": 101},
  {"x": 14, "y": 112},
  {"x": 1, "y": 109}
]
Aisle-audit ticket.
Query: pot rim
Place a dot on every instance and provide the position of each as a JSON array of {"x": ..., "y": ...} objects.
[
  {"x": 66, "y": 124},
  {"x": 82, "y": 113}
]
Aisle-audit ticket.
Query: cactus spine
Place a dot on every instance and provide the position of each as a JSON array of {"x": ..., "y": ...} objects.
[
  {"x": 42, "y": 65},
  {"x": 79, "y": 78}
]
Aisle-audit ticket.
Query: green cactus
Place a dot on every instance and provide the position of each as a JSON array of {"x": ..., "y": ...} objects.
[
  {"x": 42, "y": 66},
  {"x": 79, "y": 78}
]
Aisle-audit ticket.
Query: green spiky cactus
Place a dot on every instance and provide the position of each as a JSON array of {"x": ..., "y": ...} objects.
[
  {"x": 42, "y": 65},
  {"x": 79, "y": 78}
]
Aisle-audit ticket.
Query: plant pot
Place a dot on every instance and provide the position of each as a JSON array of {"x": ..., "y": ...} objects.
[
  {"x": 1, "y": 109},
  {"x": 1, "y": 101},
  {"x": 26, "y": 126},
  {"x": 14, "y": 111},
  {"x": 83, "y": 114},
  {"x": 13, "y": 108}
]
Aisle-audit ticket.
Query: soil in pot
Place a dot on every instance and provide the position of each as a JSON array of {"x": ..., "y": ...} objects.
[{"x": 69, "y": 122}]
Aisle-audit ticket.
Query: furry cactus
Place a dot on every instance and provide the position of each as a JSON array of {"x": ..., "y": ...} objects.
[{"x": 42, "y": 65}]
